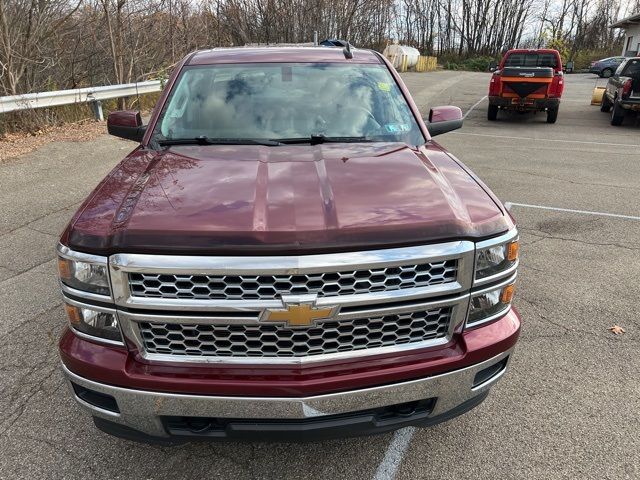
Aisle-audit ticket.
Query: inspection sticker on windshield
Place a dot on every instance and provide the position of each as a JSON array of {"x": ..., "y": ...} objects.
[
  {"x": 385, "y": 87},
  {"x": 397, "y": 127}
]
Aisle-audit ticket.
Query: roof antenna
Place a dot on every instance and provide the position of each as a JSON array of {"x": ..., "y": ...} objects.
[{"x": 347, "y": 51}]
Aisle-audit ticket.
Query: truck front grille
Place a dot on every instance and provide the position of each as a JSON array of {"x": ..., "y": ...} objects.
[
  {"x": 292, "y": 309},
  {"x": 269, "y": 340},
  {"x": 270, "y": 287}
]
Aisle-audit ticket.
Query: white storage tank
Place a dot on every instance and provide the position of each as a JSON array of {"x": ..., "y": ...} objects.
[{"x": 395, "y": 52}]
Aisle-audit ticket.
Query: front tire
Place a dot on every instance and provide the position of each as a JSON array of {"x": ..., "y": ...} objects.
[
  {"x": 492, "y": 113},
  {"x": 552, "y": 114},
  {"x": 605, "y": 106},
  {"x": 606, "y": 73},
  {"x": 617, "y": 114}
]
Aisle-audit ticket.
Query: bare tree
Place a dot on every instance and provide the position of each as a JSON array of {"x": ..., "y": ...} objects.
[
  {"x": 26, "y": 28},
  {"x": 54, "y": 44}
]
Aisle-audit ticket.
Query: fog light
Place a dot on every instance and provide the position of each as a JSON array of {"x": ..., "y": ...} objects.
[
  {"x": 94, "y": 322},
  {"x": 489, "y": 304}
]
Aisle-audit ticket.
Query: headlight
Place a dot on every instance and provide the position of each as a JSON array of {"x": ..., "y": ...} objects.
[
  {"x": 490, "y": 304},
  {"x": 86, "y": 272},
  {"x": 495, "y": 259},
  {"x": 94, "y": 321}
]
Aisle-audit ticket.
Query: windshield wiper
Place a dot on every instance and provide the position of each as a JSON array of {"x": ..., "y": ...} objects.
[
  {"x": 317, "y": 139},
  {"x": 202, "y": 140}
]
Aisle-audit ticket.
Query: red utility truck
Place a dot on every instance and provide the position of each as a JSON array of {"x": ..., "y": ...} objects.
[
  {"x": 286, "y": 254},
  {"x": 527, "y": 81}
]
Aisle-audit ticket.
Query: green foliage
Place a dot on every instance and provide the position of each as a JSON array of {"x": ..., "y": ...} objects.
[
  {"x": 562, "y": 46},
  {"x": 473, "y": 64},
  {"x": 583, "y": 58}
]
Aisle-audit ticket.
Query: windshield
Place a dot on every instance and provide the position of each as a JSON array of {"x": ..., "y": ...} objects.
[
  {"x": 531, "y": 60},
  {"x": 287, "y": 101}
]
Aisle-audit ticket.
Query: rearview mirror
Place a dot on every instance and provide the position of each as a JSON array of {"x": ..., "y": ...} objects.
[
  {"x": 126, "y": 124},
  {"x": 493, "y": 66},
  {"x": 444, "y": 119}
]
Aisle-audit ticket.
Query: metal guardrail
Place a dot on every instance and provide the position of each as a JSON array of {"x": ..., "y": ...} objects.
[{"x": 92, "y": 95}]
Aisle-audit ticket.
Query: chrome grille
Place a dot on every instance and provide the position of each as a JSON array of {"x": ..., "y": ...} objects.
[
  {"x": 195, "y": 308},
  {"x": 269, "y": 287},
  {"x": 267, "y": 340}
]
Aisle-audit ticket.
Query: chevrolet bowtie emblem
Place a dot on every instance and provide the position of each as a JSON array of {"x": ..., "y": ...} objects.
[{"x": 298, "y": 314}]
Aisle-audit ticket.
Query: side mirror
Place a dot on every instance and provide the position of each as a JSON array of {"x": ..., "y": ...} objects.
[
  {"x": 444, "y": 119},
  {"x": 126, "y": 124},
  {"x": 493, "y": 66}
]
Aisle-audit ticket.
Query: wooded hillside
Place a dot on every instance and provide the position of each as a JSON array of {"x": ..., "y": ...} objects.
[{"x": 58, "y": 44}]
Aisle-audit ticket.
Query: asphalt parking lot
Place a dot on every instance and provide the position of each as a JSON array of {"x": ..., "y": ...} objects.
[{"x": 568, "y": 408}]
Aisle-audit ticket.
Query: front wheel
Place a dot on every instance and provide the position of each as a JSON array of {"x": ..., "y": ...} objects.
[
  {"x": 492, "y": 113},
  {"x": 617, "y": 114},
  {"x": 552, "y": 114},
  {"x": 605, "y": 106}
]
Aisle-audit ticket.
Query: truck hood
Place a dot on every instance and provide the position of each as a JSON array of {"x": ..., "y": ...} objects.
[{"x": 298, "y": 198}]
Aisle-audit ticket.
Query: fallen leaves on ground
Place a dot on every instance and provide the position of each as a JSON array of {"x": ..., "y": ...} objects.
[
  {"x": 15, "y": 144},
  {"x": 617, "y": 330}
]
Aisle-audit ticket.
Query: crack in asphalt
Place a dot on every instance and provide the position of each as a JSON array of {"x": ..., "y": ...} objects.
[
  {"x": 550, "y": 236},
  {"x": 33, "y": 317},
  {"x": 21, "y": 403},
  {"x": 58, "y": 447},
  {"x": 539, "y": 238},
  {"x": 575, "y": 182},
  {"x": 28, "y": 270},
  {"x": 535, "y": 305},
  {"x": 29, "y": 227},
  {"x": 48, "y": 214}
]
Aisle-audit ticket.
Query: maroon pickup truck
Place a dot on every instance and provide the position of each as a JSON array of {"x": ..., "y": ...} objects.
[
  {"x": 622, "y": 93},
  {"x": 286, "y": 254}
]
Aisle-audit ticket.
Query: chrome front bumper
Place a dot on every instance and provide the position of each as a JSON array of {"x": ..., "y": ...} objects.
[{"x": 142, "y": 410}]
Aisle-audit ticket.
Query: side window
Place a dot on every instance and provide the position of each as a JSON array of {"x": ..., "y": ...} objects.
[
  {"x": 632, "y": 68},
  {"x": 619, "y": 69}
]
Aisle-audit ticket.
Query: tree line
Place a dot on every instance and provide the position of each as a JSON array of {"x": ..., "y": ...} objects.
[{"x": 59, "y": 44}]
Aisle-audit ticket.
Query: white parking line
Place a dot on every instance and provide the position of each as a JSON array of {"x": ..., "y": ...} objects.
[
  {"x": 395, "y": 451},
  {"x": 508, "y": 205},
  {"x": 474, "y": 106},
  {"x": 546, "y": 139}
]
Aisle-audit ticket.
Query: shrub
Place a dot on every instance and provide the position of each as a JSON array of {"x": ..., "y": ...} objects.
[{"x": 473, "y": 64}]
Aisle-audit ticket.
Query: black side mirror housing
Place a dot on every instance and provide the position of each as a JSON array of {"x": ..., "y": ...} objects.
[
  {"x": 126, "y": 124},
  {"x": 444, "y": 119}
]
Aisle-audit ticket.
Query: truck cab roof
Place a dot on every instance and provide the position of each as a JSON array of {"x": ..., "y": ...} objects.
[{"x": 278, "y": 53}]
